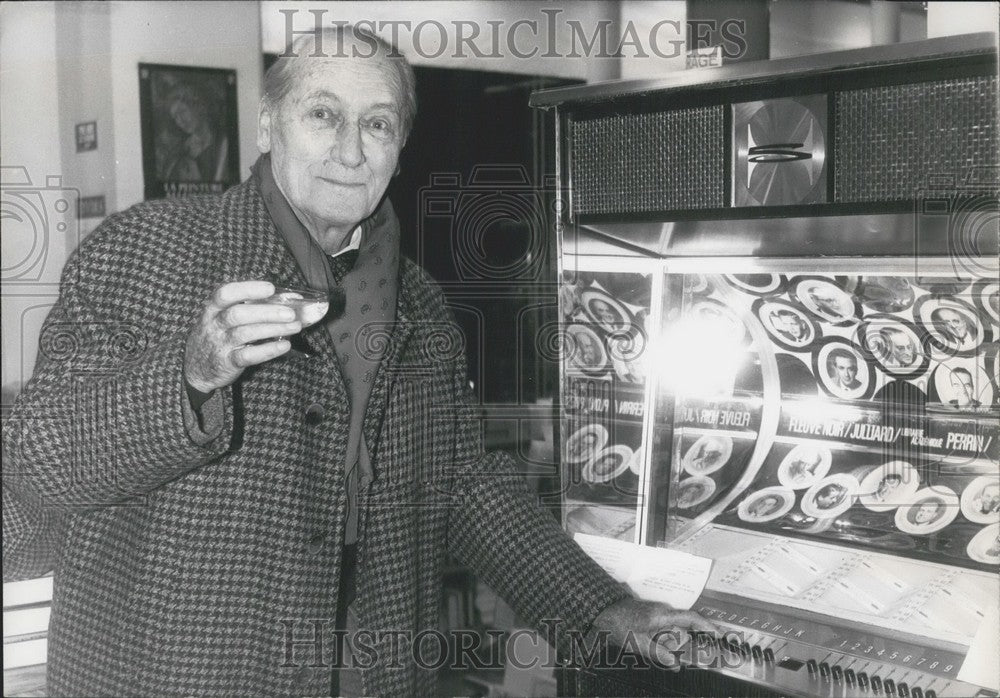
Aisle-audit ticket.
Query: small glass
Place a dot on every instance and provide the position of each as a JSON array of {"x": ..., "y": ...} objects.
[{"x": 309, "y": 304}]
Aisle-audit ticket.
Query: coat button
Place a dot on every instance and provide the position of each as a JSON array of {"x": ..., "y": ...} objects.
[
  {"x": 315, "y": 544},
  {"x": 315, "y": 413}
]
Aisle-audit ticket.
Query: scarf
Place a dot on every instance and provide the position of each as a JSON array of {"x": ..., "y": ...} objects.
[{"x": 360, "y": 294}]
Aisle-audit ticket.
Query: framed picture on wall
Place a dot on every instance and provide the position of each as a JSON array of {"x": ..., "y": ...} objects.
[{"x": 190, "y": 136}]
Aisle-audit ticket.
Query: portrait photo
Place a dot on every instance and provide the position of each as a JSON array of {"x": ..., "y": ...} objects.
[
  {"x": 585, "y": 349},
  {"x": 708, "y": 454},
  {"x": 825, "y": 300},
  {"x": 190, "y": 139},
  {"x": 787, "y": 324},
  {"x": 886, "y": 294},
  {"x": 929, "y": 510},
  {"x": 607, "y": 464},
  {"x": 767, "y": 504},
  {"x": 895, "y": 344},
  {"x": 985, "y": 546},
  {"x": 758, "y": 284},
  {"x": 953, "y": 325},
  {"x": 570, "y": 303},
  {"x": 604, "y": 311},
  {"x": 889, "y": 486},
  {"x": 981, "y": 500},
  {"x": 830, "y": 497},
  {"x": 585, "y": 442},
  {"x": 693, "y": 491},
  {"x": 804, "y": 465},
  {"x": 842, "y": 370},
  {"x": 961, "y": 383}
]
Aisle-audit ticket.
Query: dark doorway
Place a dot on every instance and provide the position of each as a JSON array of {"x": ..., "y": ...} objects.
[{"x": 475, "y": 197}]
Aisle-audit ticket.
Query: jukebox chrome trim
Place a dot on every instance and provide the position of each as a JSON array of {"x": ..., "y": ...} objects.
[{"x": 908, "y": 52}]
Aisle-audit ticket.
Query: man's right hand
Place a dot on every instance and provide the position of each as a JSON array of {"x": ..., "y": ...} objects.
[{"x": 224, "y": 340}]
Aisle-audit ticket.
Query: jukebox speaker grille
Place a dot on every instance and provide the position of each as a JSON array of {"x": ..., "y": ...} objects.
[
  {"x": 889, "y": 140},
  {"x": 632, "y": 163}
]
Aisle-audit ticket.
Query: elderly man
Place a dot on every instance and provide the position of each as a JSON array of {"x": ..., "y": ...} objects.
[
  {"x": 898, "y": 348},
  {"x": 220, "y": 498},
  {"x": 830, "y": 302},
  {"x": 963, "y": 388},
  {"x": 954, "y": 327}
]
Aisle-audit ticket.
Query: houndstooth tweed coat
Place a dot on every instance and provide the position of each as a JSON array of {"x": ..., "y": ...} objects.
[{"x": 187, "y": 569}]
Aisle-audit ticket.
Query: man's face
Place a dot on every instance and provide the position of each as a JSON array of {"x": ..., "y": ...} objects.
[
  {"x": 604, "y": 313},
  {"x": 989, "y": 498},
  {"x": 689, "y": 496},
  {"x": 588, "y": 352},
  {"x": 927, "y": 512},
  {"x": 994, "y": 549},
  {"x": 766, "y": 506},
  {"x": 606, "y": 465},
  {"x": 790, "y": 324},
  {"x": 846, "y": 370},
  {"x": 902, "y": 348},
  {"x": 805, "y": 464},
  {"x": 825, "y": 301},
  {"x": 335, "y": 139},
  {"x": 829, "y": 497},
  {"x": 961, "y": 384},
  {"x": 955, "y": 323},
  {"x": 711, "y": 454},
  {"x": 887, "y": 485}
]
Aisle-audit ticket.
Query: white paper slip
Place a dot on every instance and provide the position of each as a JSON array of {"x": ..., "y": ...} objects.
[
  {"x": 655, "y": 574},
  {"x": 980, "y": 666}
]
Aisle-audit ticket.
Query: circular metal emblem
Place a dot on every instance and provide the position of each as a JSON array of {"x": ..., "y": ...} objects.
[{"x": 779, "y": 147}]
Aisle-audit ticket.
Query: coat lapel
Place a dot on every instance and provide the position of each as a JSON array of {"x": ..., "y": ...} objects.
[{"x": 253, "y": 249}]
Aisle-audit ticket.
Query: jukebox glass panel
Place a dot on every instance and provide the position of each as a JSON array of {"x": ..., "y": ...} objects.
[
  {"x": 606, "y": 320},
  {"x": 831, "y": 440}
]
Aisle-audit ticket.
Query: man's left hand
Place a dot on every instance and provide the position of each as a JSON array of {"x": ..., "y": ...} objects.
[{"x": 657, "y": 630}]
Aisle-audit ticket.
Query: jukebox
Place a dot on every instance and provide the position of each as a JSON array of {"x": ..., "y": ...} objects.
[{"x": 779, "y": 303}]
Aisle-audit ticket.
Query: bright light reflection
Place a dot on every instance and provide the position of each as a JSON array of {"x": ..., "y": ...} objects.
[{"x": 701, "y": 356}]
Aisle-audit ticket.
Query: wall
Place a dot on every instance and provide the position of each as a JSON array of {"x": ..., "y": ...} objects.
[
  {"x": 69, "y": 63},
  {"x": 83, "y": 35},
  {"x": 800, "y": 27},
  {"x": 207, "y": 34},
  {"x": 645, "y": 17},
  {"x": 34, "y": 248},
  {"x": 947, "y": 18}
]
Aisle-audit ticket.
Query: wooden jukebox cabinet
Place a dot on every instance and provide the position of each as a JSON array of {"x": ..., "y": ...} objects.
[{"x": 779, "y": 298}]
